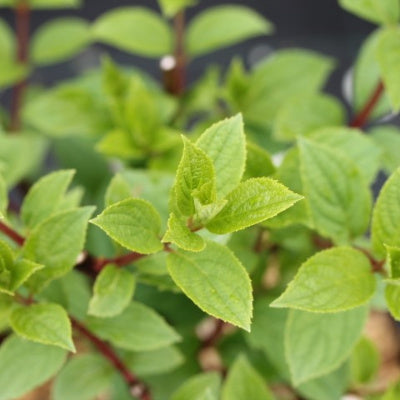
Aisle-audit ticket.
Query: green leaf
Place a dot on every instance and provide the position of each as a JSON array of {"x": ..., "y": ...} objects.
[
  {"x": 43, "y": 323},
  {"x": 378, "y": 11},
  {"x": 138, "y": 328},
  {"x": 243, "y": 383},
  {"x": 196, "y": 387},
  {"x": 332, "y": 280},
  {"x": 117, "y": 190},
  {"x": 338, "y": 197},
  {"x": 258, "y": 162},
  {"x": 364, "y": 361},
  {"x": 303, "y": 115},
  {"x": 132, "y": 223},
  {"x": 3, "y": 197},
  {"x": 366, "y": 77},
  {"x": 215, "y": 280},
  {"x": 388, "y": 57},
  {"x": 55, "y": 3},
  {"x": 195, "y": 178},
  {"x": 137, "y": 30},
  {"x": 179, "y": 234},
  {"x": 392, "y": 296},
  {"x": 310, "y": 356},
  {"x": 385, "y": 227},
  {"x": 44, "y": 197},
  {"x": 225, "y": 144},
  {"x": 59, "y": 40},
  {"x": 392, "y": 393},
  {"x": 222, "y": 26},
  {"x": 84, "y": 377},
  {"x": 253, "y": 201},
  {"x": 25, "y": 365},
  {"x": 56, "y": 243},
  {"x": 393, "y": 261},
  {"x": 7, "y": 42},
  {"x": 278, "y": 79},
  {"x": 21, "y": 271},
  {"x": 353, "y": 144},
  {"x": 112, "y": 292},
  {"x": 387, "y": 138},
  {"x": 11, "y": 72},
  {"x": 171, "y": 7}
]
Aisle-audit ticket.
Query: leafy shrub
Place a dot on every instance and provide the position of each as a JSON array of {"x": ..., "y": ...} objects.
[{"x": 148, "y": 264}]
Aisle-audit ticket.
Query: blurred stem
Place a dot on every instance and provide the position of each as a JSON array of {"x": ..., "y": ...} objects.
[
  {"x": 363, "y": 116},
  {"x": 180, "y": 56},
  {"x": 22, "y": 22}
]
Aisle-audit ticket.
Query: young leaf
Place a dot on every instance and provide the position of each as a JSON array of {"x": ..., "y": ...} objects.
[
  {"x": 206, "y": 33},
  {"x": 179, "y": 234},
  {"x": 303, "y": 115},
  {"x": 24, "y": 365},
  {"x": 341, "y": 331},
  {"x": 385, "y": 227},
  {"x": 243, "y": 383},
  {"x": 195, "y": 177},
  {"x": 84, "y": 377},
  {"x": 225, "y": 144},
  {"x": 388, "y": 57},
  {"x": 378, "y": 11},
  {"x": 44, "y": 197},
  {"x": 59, "y": 40},
  {"x": 332, "y": 280},
  {"x": 215, "y": 280},
  {"x": 112, "y": 292},
  {"x": 132, "y": 223},
  {"x": 138, "y": 328},
  {"x": 196, "y": 387},
  {"x": 56, "y": 243},
  {"x": 137, "y": 30},
  {"x": 339, "y": 199},
  {"x": 253, "y": 201},
  {"x": 43, "y": 323}
]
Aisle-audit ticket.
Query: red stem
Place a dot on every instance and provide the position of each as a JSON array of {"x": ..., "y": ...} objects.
[
  {"x": 137, "y": 387},
  {"x": 120, "y": 261},
  {"x": 13, "y": 235},
  {"x": 362, "y": 117},
  {"x": 22, "y": 21}
]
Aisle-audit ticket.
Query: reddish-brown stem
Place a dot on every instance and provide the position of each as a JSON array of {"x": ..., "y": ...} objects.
[
  {"x": 22, "y": 22},
  {"x": 215, "y": 335},
  {"x": 180, "y": 57},
  {"x": 362, "y": 117},
  {"x": 12, "y": 234},
  {"x": 120, "y": 261},
  {"x": 377, "y": 265},
  {"x": 137, "y": 387}
]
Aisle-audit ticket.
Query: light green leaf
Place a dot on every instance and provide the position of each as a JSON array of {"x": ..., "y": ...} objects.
[
  {"x": 21, "y": 272},
  {"x": 378, "y": 11},
  {"x": 24, "y": 365},
  {"x": 11, "y": 72},
  {"x": 303, "y": 115},
  {"x": 197, "y": 386},
  {"x": 138, "y": 328},
  {"x": 222, "y": 26},
  {"x": 44, "y": 197},
  {"x": 366, "y": 77},
  {"x": 132, "y": 223},
  {"x": 215, "y": 280},
  {"x": 338, "y": 197},
  {"x": 117, "y": 190},
  {"x": 171, "y": 7},
  {"x": 253, "y": 201},
  {"x": 3, "y": 197},
  {"x": 179, "y": 234},
  {"x": 59, "y": 40},
  {"x": 195, "y": 178},
  {"x": 43, "y": 323},
  {"x": 84, "y": 377},
  {"x": 225, "y": 143},
  {"x": 385, "y": 226},
  {"x": 392, "y": 296},
  {"x": 137, "y": 30},
  {"x": 393, "y": 261},
  {"x": 258, "y": 162},
  {"x": 278, "y": 79},
  {"x": 7, "y": 42},
  {"x": 307, "y": 335},
  {"x": 387, "y": 138},
  {"x": 332, "y": 280},
  {"x": 388, "y": 57},
  {"x": 112, "y": 292},
  {"x": 353, "y": 144},
  {"x": 56, "y": 243},
  {"x": 364, "y": 361},
  {"x": 243, "y": 383}
]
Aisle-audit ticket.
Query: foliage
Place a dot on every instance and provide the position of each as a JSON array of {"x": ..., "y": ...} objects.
[{"x": 152, "y": 246}]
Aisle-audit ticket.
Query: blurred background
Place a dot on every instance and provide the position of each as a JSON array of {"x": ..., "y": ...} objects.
[{"x": 314, "y": 24}]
